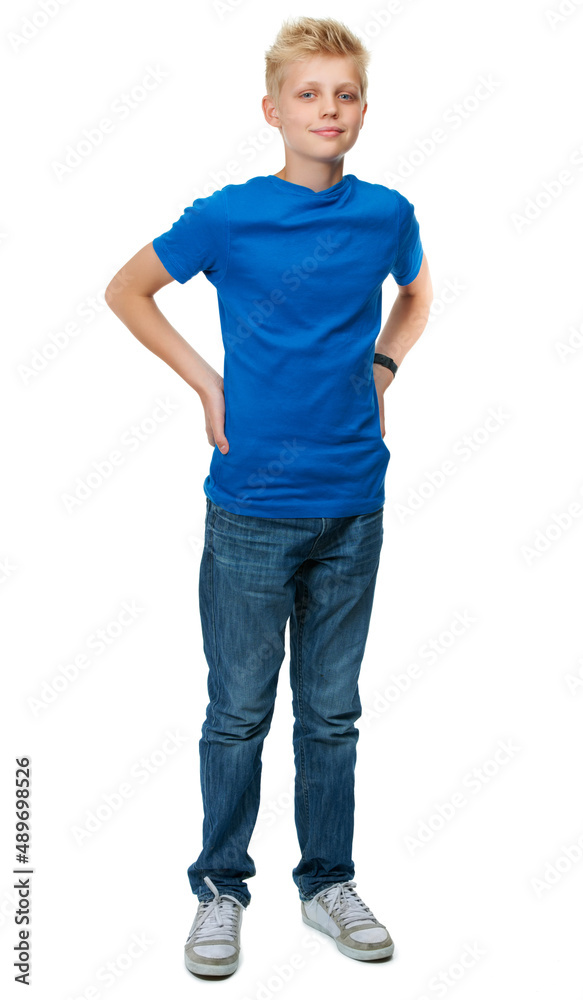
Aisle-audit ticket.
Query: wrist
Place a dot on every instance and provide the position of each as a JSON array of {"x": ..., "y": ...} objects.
[
  {"x": 208, "y": 383},
  {"x": 384, "y": 361},
  {"x": 384, "y": 370},
  {"x": 382, "y": 377}
]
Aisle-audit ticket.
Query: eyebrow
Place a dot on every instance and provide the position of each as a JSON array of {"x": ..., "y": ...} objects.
[{"x": 316, "y": 83}]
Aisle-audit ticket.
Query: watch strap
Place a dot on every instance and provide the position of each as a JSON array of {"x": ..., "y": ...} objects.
[{"x": 382, "y": 359}]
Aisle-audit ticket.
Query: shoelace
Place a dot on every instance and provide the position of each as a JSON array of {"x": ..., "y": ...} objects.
[
  {"x": 217, "y": 917},
  {"x": 346, "y": 905}
]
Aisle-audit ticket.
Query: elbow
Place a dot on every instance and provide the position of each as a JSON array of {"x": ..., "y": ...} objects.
[
  {"x": 113, "y": 295},
  {"x": 109, "y": 295}
]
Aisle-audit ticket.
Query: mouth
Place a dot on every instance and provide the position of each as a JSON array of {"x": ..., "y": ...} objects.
[{"x": 327, "y": 131}]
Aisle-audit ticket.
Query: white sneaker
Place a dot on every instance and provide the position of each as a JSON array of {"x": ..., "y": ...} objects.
[
  {"x": 213, "y": 942},
  {"x": 339, "y": 911}
]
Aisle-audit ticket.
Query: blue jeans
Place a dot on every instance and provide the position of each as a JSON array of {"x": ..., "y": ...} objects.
[{"x": 255, "y": 574}]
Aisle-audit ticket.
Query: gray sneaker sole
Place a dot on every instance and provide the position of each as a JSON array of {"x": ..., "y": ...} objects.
[
  {"x": 363, "y": 956},
  {"x": 210, "y": 968}
]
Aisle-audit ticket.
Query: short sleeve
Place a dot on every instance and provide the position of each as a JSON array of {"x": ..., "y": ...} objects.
[
  {"x": 409, "y": 251},
  {"x": 197, "y": 241}
]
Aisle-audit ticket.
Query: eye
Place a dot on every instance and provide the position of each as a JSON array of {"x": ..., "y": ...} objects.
[{"x": 351, "y": 96}]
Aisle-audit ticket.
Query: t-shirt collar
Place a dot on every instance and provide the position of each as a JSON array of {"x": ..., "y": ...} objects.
[{"x": 302, "y": 191}]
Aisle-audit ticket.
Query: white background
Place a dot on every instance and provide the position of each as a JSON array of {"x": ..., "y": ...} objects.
[{"x": 492, "y": 540}]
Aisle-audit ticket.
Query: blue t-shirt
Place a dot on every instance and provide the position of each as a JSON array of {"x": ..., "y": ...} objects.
[{"x": 299, "y": 276}]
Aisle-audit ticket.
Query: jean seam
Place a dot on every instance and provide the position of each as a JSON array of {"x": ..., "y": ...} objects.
[
  {"x": 211, "y": 577},
  {"x": 301, "y": 619},
  {"x": 213, "y": 615}
]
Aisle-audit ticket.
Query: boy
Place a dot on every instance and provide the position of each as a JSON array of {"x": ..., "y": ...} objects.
[{"x": 295, "y": 492}]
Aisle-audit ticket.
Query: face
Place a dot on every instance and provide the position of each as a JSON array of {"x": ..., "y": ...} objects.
[{"x": 320, "y": 111}]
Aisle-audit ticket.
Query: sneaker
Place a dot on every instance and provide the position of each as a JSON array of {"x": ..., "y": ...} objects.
[
  {"x": 213, "y": 943},
  {"x": 339, "y": 911}
]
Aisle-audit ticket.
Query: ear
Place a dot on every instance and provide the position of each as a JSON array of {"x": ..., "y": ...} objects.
[{"x": 270, "y": 111}]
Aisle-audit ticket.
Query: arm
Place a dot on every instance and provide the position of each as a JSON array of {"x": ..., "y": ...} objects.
[
  {"x": 405, "y": 324},
  {"x": 130, "y": 295}
]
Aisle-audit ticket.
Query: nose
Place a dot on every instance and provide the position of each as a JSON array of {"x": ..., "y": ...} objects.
[{"x": 328, "y": 108}]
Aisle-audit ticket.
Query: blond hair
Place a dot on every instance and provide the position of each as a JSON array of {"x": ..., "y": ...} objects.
[{"x": 302, "y": 37}]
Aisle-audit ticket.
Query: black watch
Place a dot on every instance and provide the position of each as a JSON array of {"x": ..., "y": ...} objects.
[{"x": 382, "y": 359}]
